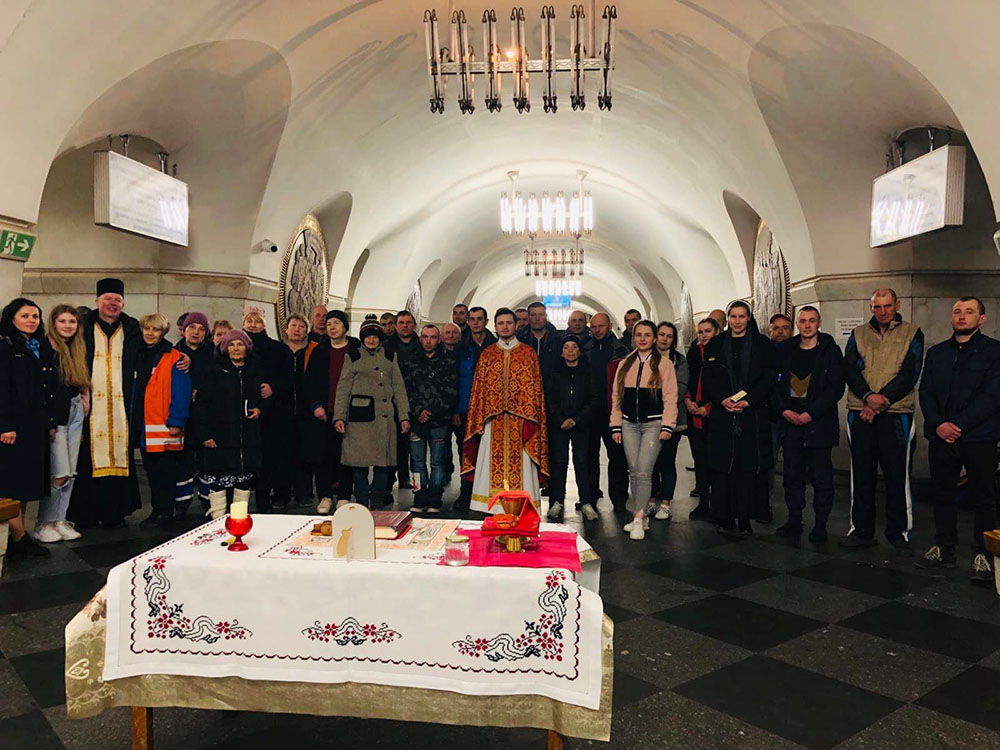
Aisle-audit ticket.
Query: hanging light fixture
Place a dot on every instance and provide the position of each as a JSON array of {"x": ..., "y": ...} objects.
[
  {"x": 588, "y": 51},
  {"x": 558, "y": 288},
  {"x": 548, "y": 215}
]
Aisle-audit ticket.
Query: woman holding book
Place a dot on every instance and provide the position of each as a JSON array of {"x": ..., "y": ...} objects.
[
  {"x": 643, "y": 417},
  {"x": 737, "y": 378}
]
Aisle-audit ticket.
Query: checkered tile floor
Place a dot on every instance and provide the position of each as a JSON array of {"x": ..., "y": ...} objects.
[{"x": 761, "y": 643}]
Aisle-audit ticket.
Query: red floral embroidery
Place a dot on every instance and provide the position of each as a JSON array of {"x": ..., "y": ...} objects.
[
  {"x": 541, "y": 637},
  {"x": 350, "y": 631},
  {"x": 300, "y": 551},
  {"x": 166, "y": 620},
  {"x": 208, "y": 537}
]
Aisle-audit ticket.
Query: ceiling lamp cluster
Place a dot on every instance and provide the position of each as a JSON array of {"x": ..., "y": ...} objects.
[
  {"x": 459, "y": 59},
  {"x": 550, "y": 216},
  {"x": 555, "y": 264},
  {"x": 558, "y": 288}
]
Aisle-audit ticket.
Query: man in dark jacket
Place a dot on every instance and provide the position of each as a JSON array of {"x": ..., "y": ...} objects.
[
  {"x": 603, "y": 349},
  {"x": 960, "y": 399},
  {"x": 403, "y": 344},
  {"x": 810, "y": 385},
  {"x": 738, "y": 378},
  {"x": 467, "y": 355},
  {"x": 432, "y": 389},
  {"x": 543, "y": 337},
  {"x": 571, "y": 403}
]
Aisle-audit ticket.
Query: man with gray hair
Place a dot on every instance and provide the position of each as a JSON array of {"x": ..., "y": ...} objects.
[{"x": 883, "y": 358}]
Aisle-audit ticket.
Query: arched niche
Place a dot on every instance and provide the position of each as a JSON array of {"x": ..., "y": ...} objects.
[
  {"x": 359, "y": 267},
  {"x": 333, "y": 216}
]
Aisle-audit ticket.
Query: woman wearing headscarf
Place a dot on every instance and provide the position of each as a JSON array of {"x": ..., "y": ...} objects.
[
  {"x": 738, "y": 375},
  {"x": 27, "y": 384},
  {"x": 369, "y": 393},
  {"x": 226, "y": 415}
]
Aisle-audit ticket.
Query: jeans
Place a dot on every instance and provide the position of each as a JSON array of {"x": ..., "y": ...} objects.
[
  {"x": 801, "y": 461},
  {"x": 430, "y": 488},
  {"x": 372, "y": 494},
  {"x": 559, "y": 445},
  {"x": 946, "y": 462},
  {"x": 64, "y": 451},
  {"x": 665, "y": 470},
  {"x": 641, "y": 441}
]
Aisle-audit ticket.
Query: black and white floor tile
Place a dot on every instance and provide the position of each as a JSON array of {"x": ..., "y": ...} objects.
[{"x": 760, "y": 643}]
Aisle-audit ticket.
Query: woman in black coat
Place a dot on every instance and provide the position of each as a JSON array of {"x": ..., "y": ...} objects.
[
  {"x": 742, "y": 363},
  {"x": 571, "y": 404},
  {"x": 227, "y": 413},
  {"x": 27, "y": 386}
]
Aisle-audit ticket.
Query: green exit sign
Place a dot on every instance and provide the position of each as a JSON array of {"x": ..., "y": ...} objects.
[{"x": 16, "y": 245}]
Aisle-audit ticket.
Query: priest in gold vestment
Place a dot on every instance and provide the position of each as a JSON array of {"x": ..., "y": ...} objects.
[{"x": 506, "y": 442}]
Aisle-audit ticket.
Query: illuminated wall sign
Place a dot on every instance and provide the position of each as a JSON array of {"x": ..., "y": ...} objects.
[
  {"x": 135, "y": 198},
  {"x": 922, "y": 195}
]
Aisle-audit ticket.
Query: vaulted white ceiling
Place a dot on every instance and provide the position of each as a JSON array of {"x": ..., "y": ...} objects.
[{"x": 274, "y": 108}]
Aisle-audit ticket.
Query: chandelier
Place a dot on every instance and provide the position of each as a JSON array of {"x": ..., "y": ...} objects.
[
  {"x": 551, "y": 216},
  {"x": 555, "y": 264},
  {"x": 459, "y": 59},
  {"x": 558, "y": 287}
]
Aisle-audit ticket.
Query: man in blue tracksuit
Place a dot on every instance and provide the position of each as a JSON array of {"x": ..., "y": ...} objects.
[{"x": 960, "y": 399}]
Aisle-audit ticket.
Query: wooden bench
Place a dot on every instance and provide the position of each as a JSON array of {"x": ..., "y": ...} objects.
[
  {"x": 992, "y": 541},
  {"x": 8, "y": 509}
]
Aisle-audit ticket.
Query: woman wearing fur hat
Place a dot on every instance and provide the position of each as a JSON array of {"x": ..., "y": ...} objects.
[
  {"x": 227, "y": 411},
  {"x": 370, "y": 389}
]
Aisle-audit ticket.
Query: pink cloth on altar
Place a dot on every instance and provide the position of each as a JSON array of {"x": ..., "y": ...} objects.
[{"x": 551, "y": 549}]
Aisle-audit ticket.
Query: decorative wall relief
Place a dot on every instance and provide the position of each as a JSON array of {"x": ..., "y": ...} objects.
[
  {"x": 771, "y": 280},
  {"x": 413, "y": 302},
  {"x": 305, "y": 279},
  {"x": 685, "y": 326}
]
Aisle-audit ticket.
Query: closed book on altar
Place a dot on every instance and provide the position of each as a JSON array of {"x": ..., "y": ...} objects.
[{"x": 391, "y": 524}]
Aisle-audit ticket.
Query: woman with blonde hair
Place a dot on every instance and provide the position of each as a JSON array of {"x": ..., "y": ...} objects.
[
  {"x": 643, "y": 414},
  {"x": 71, "y": 404}
]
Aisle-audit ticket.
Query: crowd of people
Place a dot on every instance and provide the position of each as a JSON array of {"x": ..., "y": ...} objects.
[{"x": 321, "y": 417}]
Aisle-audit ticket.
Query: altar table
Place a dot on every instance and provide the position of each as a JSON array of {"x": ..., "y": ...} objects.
[{"x": 191, "y": 624}]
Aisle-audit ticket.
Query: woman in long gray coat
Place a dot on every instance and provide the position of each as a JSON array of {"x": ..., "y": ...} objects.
[{"x": 371, "y": 396}]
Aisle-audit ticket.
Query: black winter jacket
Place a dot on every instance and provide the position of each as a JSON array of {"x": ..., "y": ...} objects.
[
  {"x": 739, "y": 442},
  {"x": 431, "y": 385},
  {"x": 274, "y": 361},
  {"x": 570, "y": 393},
  {"x": 226, "y": 395},
  {"x": 548, "y": 348},
  {"x": 27, "y": 385},
  {"x": 961, "y": 384},
  {"x": 826, "y": 388}
]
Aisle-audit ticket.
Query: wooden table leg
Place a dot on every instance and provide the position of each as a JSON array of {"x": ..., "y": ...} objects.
[
  {"x": 555, "y": 740},
  {"x": 142, "y": 728}
]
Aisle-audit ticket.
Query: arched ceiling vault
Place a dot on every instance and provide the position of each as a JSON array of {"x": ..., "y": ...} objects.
[{"x": 757, "y": 98}]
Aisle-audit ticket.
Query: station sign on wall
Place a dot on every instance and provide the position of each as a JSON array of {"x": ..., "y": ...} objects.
[
  {"x": 135, "y": 198},
  {"x": 922, "y": 195}
]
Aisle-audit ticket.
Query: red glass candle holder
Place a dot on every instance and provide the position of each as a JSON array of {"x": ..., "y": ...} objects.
[{"x": 238, "y": 527}]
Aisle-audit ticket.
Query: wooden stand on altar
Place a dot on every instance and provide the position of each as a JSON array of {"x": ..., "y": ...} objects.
[{"x": 353, "y": 533}]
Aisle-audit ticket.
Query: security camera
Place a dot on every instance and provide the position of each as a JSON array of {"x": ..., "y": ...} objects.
[{"x": 266, "y": 246}]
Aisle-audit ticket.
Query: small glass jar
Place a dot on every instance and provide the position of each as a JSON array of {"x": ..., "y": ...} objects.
[{"x": 456, "y": 550}]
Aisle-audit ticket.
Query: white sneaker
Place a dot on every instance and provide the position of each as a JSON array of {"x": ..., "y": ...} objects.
[
  {"x": 555, "y": 511},
  {"x": 341, "y": 503},
  {"x": 650, "y": 509},
  {"x": 637, "y": 532},
  {"x": 589, "y": 513},
  {"x": 67, "y": 531},
  {"x": 663, "y": 512},
  {"x": 324, "y": 506},
  {"x": 47, "y": 533},
  {"x": 432, "y": 510}
]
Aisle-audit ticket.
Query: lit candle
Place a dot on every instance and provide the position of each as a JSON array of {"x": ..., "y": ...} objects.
[{"x": 238, "y": 510}]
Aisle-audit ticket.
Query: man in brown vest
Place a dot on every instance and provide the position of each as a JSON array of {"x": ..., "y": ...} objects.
[{"x": 883, "y": 358}]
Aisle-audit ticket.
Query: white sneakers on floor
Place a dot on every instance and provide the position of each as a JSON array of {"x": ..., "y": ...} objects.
[
  {"x": 342, "y": 502},
  {"x": 637, "y": 528},
  {"x": 589, "y": 513},
  {"x": 47, "y": 533},
  {"x": 663, "y": 512},
  {"x": 555, "y": 511},
  {"x": 324, "y": 506},
  {"x": 67, "y": 531}
]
